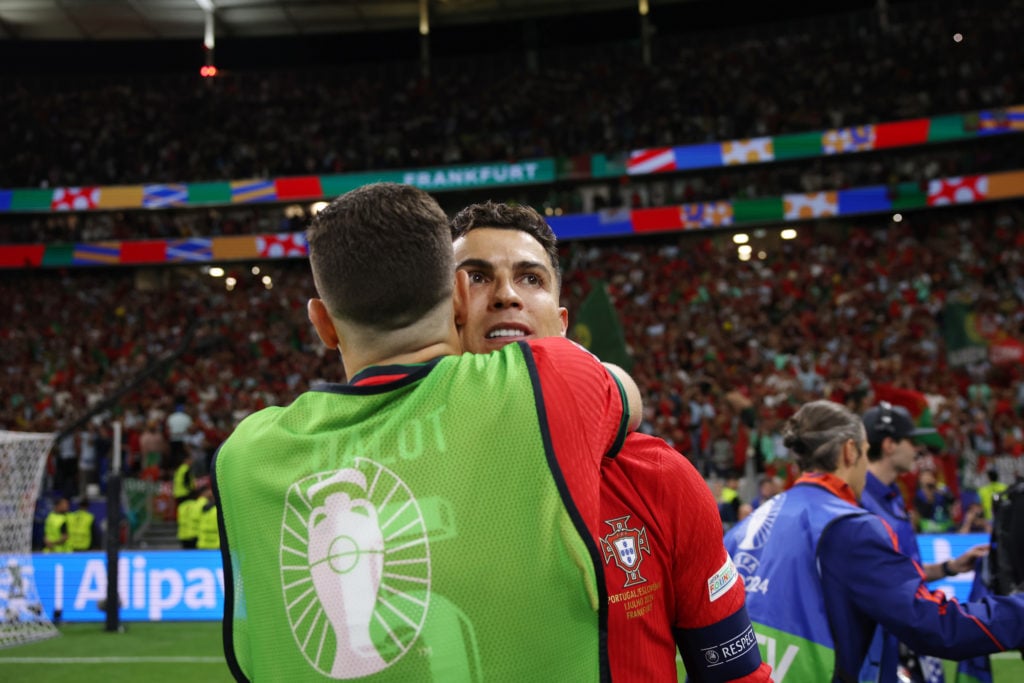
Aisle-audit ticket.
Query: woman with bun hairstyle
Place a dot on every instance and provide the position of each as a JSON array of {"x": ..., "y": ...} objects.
[{"x": 822, "y": 573}]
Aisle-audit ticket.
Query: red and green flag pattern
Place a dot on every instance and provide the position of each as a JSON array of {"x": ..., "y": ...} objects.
[
  {"x": 790, "y": 208},
  {"x": 759, "y": 150}
]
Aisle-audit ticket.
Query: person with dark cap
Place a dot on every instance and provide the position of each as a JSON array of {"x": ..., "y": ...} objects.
[
  {"x": 891, "y": 433},
  {"x": 822, "y": 573}
]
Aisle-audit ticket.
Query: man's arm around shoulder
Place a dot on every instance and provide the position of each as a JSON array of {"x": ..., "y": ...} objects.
[{"x": 634, "y": 400}]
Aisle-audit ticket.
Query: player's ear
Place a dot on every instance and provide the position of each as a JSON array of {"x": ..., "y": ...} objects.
[
  {"x": 460, "y": 297},
  {"x": 321, "y": 320},
  {"x": 563, "y": 316}
]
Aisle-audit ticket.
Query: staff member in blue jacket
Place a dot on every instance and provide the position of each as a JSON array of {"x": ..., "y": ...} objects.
[
  {"x": 822, "y": 573},
  {"x": 891, "y": 433}
]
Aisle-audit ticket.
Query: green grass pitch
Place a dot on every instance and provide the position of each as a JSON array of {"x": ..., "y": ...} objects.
[
  {"x": 171, "y": 652},
  {"x": 191, "y": 652}
]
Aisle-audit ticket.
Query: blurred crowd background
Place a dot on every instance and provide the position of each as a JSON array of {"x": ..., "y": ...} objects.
[{"x": 724, "y": 350}]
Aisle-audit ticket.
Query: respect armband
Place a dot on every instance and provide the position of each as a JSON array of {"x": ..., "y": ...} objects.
[{"x": 723, "y": 651}]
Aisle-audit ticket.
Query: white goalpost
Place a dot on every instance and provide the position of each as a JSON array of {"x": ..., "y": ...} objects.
[{"x": 22, "y": 460}]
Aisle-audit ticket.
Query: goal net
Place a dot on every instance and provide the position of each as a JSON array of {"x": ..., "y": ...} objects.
[{"x": 22, "y": 459}]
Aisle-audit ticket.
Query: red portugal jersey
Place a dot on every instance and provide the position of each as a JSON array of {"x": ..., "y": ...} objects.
[{"x": 669, "y": 581}]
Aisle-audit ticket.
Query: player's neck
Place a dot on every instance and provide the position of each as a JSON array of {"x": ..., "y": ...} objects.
[
  {"x": 421, "y": 355},
  {"x": 418, "y": 343},
  {"x": 432, "y": 336}
]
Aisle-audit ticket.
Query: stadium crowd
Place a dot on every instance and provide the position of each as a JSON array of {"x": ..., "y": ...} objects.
[
  {"x": 841, "y": 69},
  {"x": 724, "y": 350},
  {"x": 728, "y": 350}
]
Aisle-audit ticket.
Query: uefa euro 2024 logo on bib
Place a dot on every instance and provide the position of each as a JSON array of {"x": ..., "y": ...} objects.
[{"x": 355, "y": 569}]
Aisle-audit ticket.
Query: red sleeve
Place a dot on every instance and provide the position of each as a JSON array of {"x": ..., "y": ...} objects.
[
  {"x": 701, "y": 567},
  {"x": 580, "y": 393},
  {"x": 697, "y": 599},
  {"x": 709, "y": 594},
  {"x": 584, "y": 414}
]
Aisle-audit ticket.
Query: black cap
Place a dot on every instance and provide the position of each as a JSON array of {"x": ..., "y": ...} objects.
[{"x": 886, "y": 419}]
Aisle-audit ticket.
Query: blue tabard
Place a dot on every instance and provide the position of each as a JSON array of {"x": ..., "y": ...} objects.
[{"x": 785, "y": 599}]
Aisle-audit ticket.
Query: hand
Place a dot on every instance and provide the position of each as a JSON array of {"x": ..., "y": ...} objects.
[{"x": 965, "y": 562}]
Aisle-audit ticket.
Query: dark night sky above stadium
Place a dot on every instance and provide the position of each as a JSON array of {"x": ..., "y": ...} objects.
[{"x": 23, "y": 57}]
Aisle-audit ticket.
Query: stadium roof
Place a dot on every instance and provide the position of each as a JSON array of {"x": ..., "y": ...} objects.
[{"x": 182, "y": 19}]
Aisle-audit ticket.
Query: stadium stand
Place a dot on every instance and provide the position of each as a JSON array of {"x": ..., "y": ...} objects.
[
  {"x": 733, "y": 82},
  {"x": 850, "y": 309}
]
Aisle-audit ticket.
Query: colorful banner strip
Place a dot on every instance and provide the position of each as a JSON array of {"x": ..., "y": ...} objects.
[
  {"x": 847, "y": 140},
  {"x": 608, "y": 223},
  {"x": 302, "y": 188}
]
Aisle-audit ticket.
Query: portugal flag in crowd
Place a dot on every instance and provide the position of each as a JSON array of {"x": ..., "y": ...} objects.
[
  {"x": 971, "y": 337},
  {"x": 598, "y": 328}
]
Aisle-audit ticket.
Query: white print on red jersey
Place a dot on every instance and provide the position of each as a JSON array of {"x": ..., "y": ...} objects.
[{"x": 624, "y": 545}]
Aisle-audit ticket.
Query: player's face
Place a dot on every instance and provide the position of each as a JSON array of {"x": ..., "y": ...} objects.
[{"x": 513, "y": 294}]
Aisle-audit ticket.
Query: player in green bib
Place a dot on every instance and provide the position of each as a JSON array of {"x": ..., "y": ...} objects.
[{"x": 416, "y": 522}]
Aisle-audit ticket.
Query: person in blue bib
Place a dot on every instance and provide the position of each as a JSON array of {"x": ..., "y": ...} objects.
[
  {"x": 822, "y": 573},
  {"x": 891, "y": 433}
]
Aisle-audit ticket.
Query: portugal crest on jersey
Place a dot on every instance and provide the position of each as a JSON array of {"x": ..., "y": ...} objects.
[{"x": 626, "y": 546}]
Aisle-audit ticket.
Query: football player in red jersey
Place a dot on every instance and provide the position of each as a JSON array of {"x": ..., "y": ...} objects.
[
  {"x": 669, "y": 581},
  {"x": 364, "y": 497}
]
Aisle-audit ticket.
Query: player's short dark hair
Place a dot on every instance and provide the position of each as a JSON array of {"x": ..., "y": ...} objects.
[
  {"x": 382, "y": 256},
  {"x": 509, "y": 217},
  {"x": 817, "y": 432}
]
